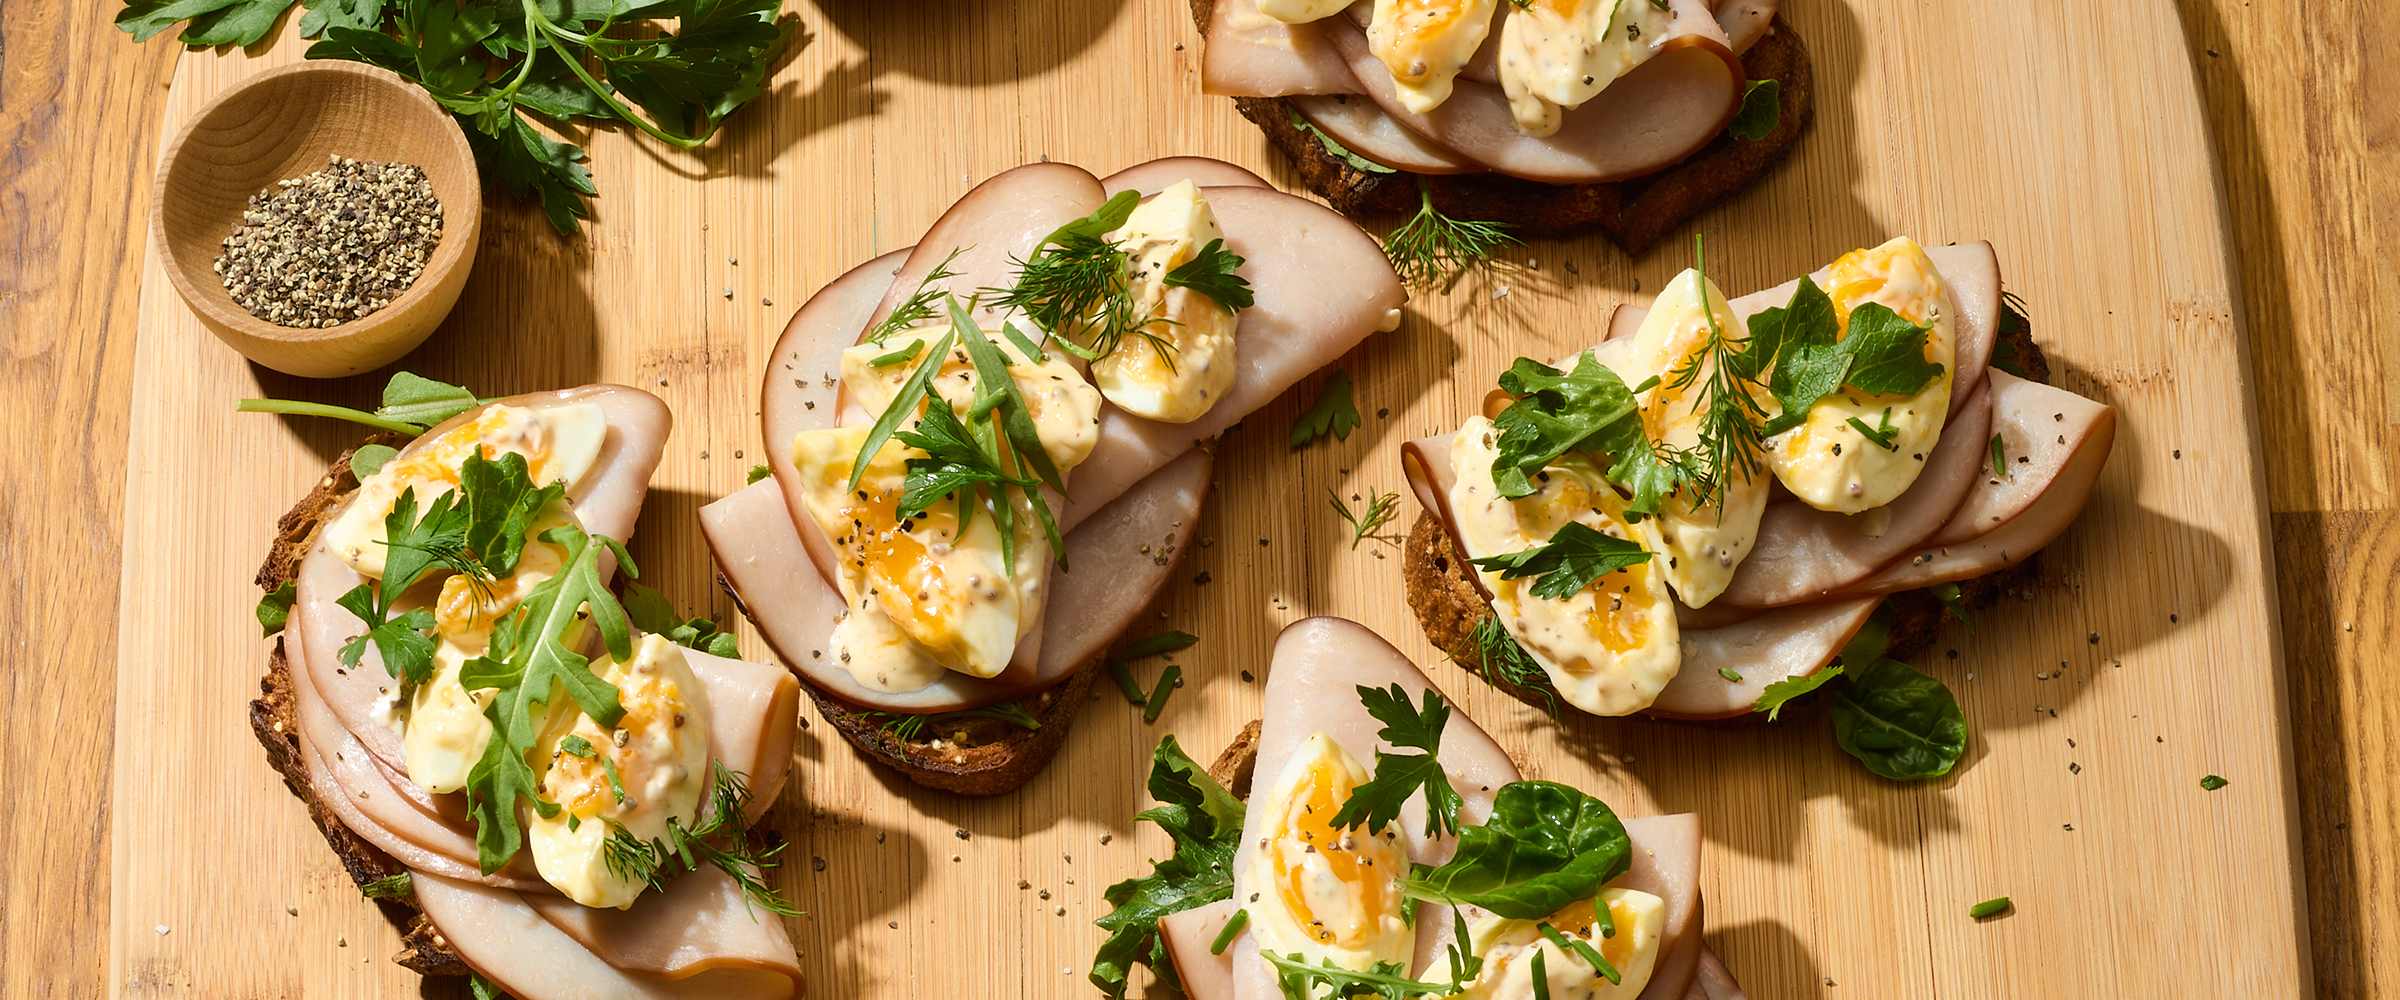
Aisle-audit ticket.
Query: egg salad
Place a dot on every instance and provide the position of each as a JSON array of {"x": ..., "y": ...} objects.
[
  {"x": 936, "y": 591},
  {"x": 1679, "y": 344},
  {"x": 558, "y": 443},
  {"x": 1859, "y": 450},
  {"x": 1183, "y": 361},
  {"x": 1327, "y": 894},
  {"x": 1612, "y": 645},
  {"x": 1425, "y": 43},
  {"x": 1637, "y": 919},
  {"x": 1557, "y": 54},
  {"x": 645, "y": 772}
]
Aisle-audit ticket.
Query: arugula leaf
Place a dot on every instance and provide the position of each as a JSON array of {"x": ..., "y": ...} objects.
[
  {"x": 1880, "y": 354},
  {"x": 1569, "y": 562},
  {"x": 1333, "y": 413},
  {"x": 1781, "y": 693},
  {"x": 275, "y": 609},
  {"x": 1556, "y": 412},
  {"x": 1205, "y": 823},
  {"x": 1545, "y": 845},
  {"x": 1398, "y": 776},
  {"x": 650, "y": 611},
  {"x": 1761, "y": 113},
  {"x": 1386, "y": 980},
  {"x": 1902, "y": 724},
  {"x": 1210, "y": 272}
]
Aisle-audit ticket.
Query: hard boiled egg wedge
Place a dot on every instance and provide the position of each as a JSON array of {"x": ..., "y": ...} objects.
[
  {"x": 1182, "y": 362},
  {"x": 1560, "y": 53},
  {"x": 1325, "y": 894},
  {"x": 1508, "y": 947},
  {"x": 1612, "y": 646},
  {"x": 559, "y": 444},
  {"x": 933, "y": 593},
  {"x": 1827, "y": 462},
  {"x": 1301, "y": 11},
  {"x": 650, "y": 768},
  {"x": 1699, "y": 545},
  {"x": 1426, "y": 42}
]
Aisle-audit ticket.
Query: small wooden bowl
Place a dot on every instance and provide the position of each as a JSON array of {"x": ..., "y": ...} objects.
[{"x": 286, "y": 123}]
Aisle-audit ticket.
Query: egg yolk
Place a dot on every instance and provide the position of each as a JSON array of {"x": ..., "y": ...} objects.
[
  {"x": 1419, "y": 23},
  {"x": 900, "y": 567},
  {"x": 1861, "y": 275},
  {"x": 1577, "y": 918},
  {"x": 1309, "y": 831}
]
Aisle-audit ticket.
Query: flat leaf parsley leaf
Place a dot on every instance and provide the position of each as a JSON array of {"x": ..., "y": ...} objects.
[
  {"x": 1333, "y": 413},
  {"x": 1398, "y": 776},
  {"x": 1210, "y": 272},
  {"x": 1881, "y": 353},
  {"x": 1569, "y": 562}
]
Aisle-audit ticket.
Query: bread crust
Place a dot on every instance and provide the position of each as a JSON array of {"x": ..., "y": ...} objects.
[
  {"x": 1633, "y": 214},
  {"x": 271, "y": 720},
  {"x": 1449, "y": 603}
]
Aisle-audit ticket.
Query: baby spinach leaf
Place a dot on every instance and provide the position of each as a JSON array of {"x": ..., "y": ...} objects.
[
  {"x": 1545, "y": 845},
  {"x": 1762, "y": 111},
  {"x": 275, "y": 608},
  {"x": 1881, "y": 353},
  {"x": 1902, "y": 724},
  {"x": 1556, "y": 412}
]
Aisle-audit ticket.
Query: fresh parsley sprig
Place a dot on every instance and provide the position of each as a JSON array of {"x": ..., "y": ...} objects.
[
  {"x": 1398, "y": 776},
  {"x": 1333, "y": 413},
  {"x": 1574, "y": 557},
  {"x": 1431, "y": 246},
  {"x": 1813, "y": 358},
  {"x": 1210, "y": 272}
]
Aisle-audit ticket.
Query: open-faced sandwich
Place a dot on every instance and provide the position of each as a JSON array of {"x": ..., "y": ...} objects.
[
  {"x": 1552, "y": 116},
  {"x": 1298, "y": 873},
  {"x": 987, "y": 453},
  {"x": 552, "y": 791},
  {"x": 1691, "y": 518}
]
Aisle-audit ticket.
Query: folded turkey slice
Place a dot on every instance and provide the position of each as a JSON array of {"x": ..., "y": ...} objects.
[
  {"x": 1249, "y": 54},
  {"x": 1312, "y": 687},
  {"x": 506, "y": 938}
]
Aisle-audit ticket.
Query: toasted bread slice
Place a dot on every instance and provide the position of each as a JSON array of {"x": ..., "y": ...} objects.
[
  {"x": 1632, "y": 214},
  {"x": 1449, "y": 604},
  {"x": 271, "y": 720}
]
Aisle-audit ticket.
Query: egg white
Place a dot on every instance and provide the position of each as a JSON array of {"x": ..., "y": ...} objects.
[
  {"x": 1328, "y": 895},
  {"x": 1178, "y": 377},
  {"x": 1425, "y": 43},
  {"x": 1508, "y": 946},
  {"x": 660, "y": 749}
]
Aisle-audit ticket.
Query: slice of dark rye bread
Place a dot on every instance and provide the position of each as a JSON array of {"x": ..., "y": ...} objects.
[
  {"x": 1633, "y": 214},
  {"x": 1449, "y": 605},
  {"x": 423, "y": 949}
]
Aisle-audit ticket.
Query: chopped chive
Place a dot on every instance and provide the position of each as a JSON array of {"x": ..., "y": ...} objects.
[
  {"x": 1233, "y": 929},
  {"x": 1125, "y": 682},
  {"x": 2213, "y": 782},
  {"x": 1999, "y": 459},
  {"x": 1031, "y": 350},
  {"x": 1541, "y": 977},
  {"x": 901, "y": 356},
  {"x": 1159, "y": 693},
  {"x": 1647, "y": 384},
  {"x": 1583, "y": 949},
  {"x": 1882, "y": 437},
  {"x": 1729, "y": 674},
  {"x": 1989, "y": 908},
  {"x": 1164, "y": 642},
  {"x": 616, "y": 782},
  {"x": 1953, "y": 600}
]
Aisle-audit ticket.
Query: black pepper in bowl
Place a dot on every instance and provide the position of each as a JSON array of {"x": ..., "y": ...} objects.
[{"x": 334, "y": 246}]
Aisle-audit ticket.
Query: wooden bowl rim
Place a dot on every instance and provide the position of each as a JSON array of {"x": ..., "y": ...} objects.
[{"x": 465, "y": 221}]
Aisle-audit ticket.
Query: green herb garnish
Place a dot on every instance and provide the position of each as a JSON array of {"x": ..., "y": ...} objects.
[
  {"x": 1583, "y": 949},
  {"x": 1339, "y": 151},
  {"x": 1762, "y": 111},
  {"x": 1901, "y": 723},
  {"x": 1163, "y": 642},
  {"x": 1378, "y": 512},
  {"x": 1205, "y": 823},
  {"x": 1555, "y": 412},
  {"x": 1433, "y": 246},
  {"x": 2000, "y": 468},
  {"x": 275, "y": 608},
  {"x": 1156, "y": 703},
  {"x": 1210, "y": 272},
  {"x": 1387, "y": 980},
  {"x": 1989, "y": 908},
  {"x": 1881, "y": 435},
  {"x": 2212, "y": 783},
  {"x": 899, "y": 357},
  {"x": 1953, "y": 600},
  {"x": 721, "y": 840},
  {"x": 495, "y": 63},
  {"x": 921, "y": 306},
  {"x": 578, "y": 746},
  {"x": 1545, "y": 845},
  {"x": 1333, "y": 413},
  {"x": 394, "y": 886},
  {"x": 650, "y": 611},
  {"x": 412, "y": 404},
  {"x": 1879, "y": 354},
  {"x": 1233, "y": 929},
  {"x": 1569, "y": 562},
  {"x": 1398, "y": 776},
  {"x": 758, "y": 472},
  {"x": 1123, "y": 675},
  {"x": 1499, "y": 659},
  {"x": 369, "y": 459}
]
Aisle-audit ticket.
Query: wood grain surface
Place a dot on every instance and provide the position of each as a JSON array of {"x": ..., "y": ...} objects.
[{"x": 805, "y": 187}]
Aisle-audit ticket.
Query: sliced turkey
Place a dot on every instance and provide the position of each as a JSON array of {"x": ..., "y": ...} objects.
[{"x": 502, "y": 937}]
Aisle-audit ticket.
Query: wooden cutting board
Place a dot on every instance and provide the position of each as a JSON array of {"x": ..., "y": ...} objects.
[{"x": 2069, "y": 135}]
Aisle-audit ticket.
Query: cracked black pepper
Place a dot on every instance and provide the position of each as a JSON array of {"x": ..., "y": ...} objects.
[{"x": 333, "y": 246}]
